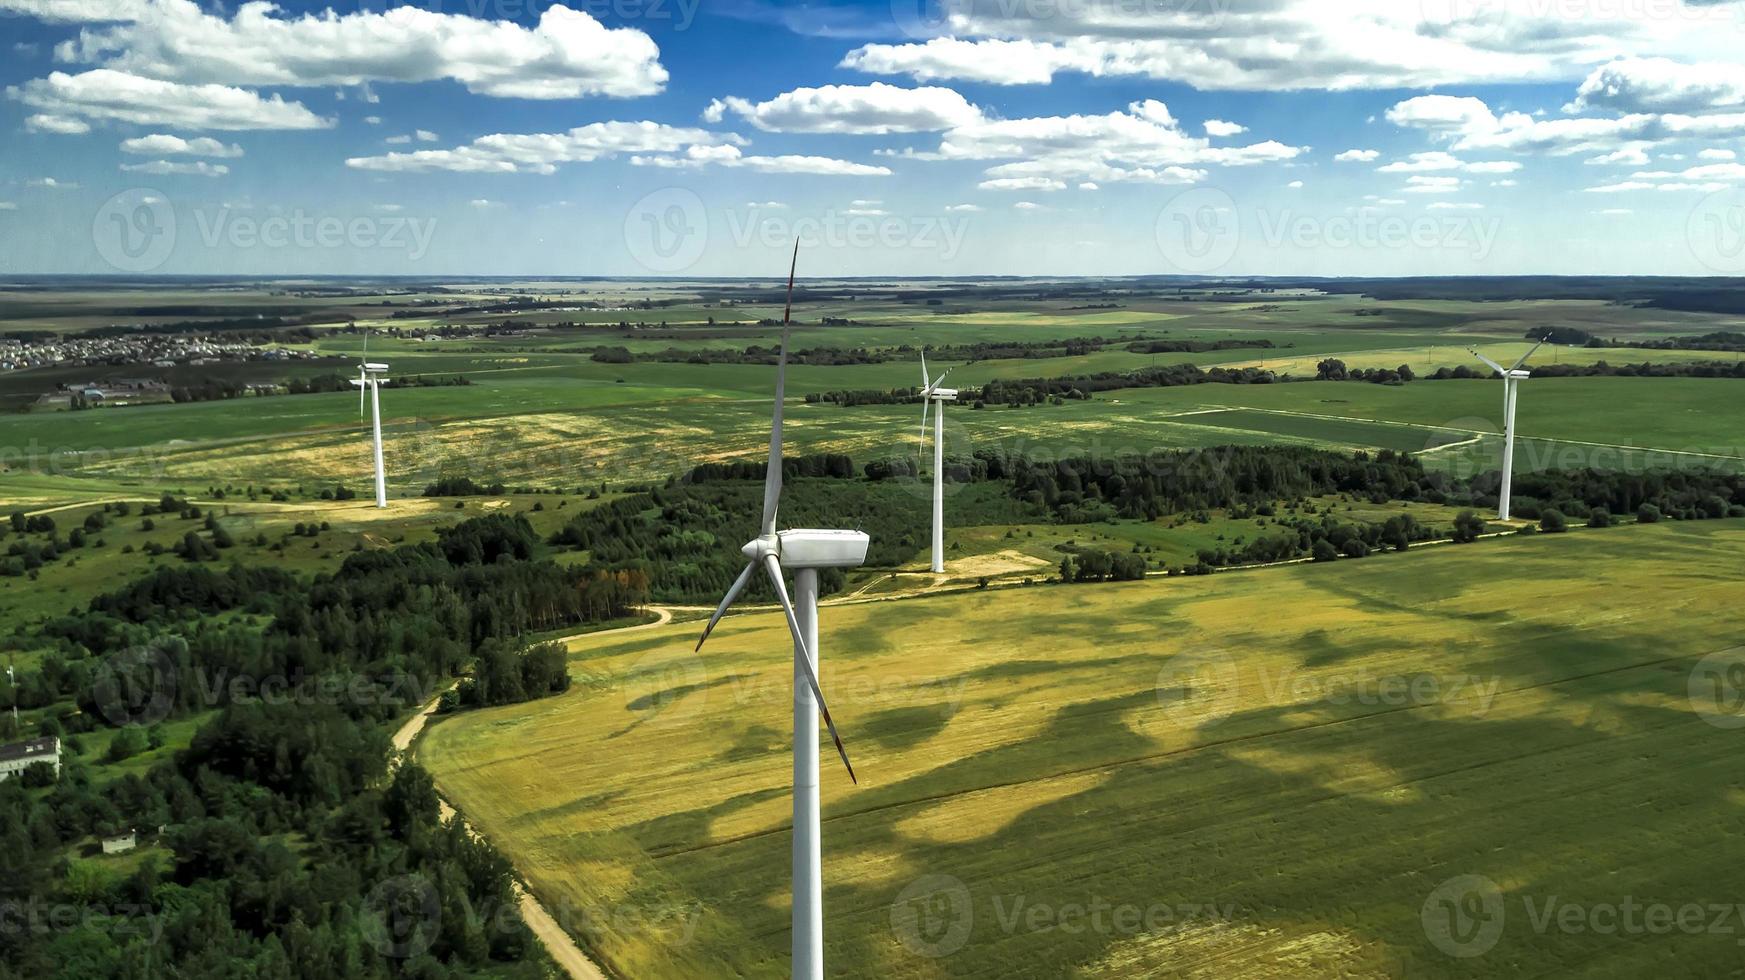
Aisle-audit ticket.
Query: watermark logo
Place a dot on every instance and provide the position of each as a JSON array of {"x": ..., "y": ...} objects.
[
  {"x": 1464, "y": 916},
  {"x": 1198, "y": 231},
  {"x": 1715, "y": 231},
  {"x": 663, "y": 689},
  {"x": 1368, "y": 229},
  {"x": 136, "y": 686},
  {"x": 855, "y": 228},
  {"x": 932, "y": 917},
  {"x": 667, "y": 231},
  {"x": 679, "y": 13},
  {"x": 135, "y": 231},
  {"x": 401, "y": 917},
  {"x": 1474, "y": 22},
  {"x": 1459, "y": 446},
  {"x": 1717, "y": 689},
  {"x": 924, "y": 19},
  {"x": 1198, "y": 689},
  {"x": 234, "y": 230}
]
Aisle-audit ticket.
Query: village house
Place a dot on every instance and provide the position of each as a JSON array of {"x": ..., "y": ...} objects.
[{"x": 19, "y": 756}]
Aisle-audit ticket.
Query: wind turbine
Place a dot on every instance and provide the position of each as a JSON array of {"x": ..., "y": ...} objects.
[
  {"x": 805, "y": 552},
  {"x": 370, "y": 379},
  {"x": 362, "y": 373},
  {"x": 1512, "y": 377},
  {"x": 931, "y": 393}
]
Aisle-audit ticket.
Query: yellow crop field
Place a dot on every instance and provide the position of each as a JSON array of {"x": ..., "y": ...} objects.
[{"x": 1277, "y": 773}]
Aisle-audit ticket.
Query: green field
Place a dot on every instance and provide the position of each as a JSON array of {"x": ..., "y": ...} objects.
[
  {"x": 541, "y": 412},
  {"x": 1310, "y": 752},
  {"x": 544, "y": 431}
]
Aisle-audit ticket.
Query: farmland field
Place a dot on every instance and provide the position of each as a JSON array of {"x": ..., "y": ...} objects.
[{"x": 1269, "y": 796}]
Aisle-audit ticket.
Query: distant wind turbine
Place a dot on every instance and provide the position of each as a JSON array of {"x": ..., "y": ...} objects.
[
  {"x": 805, "y": 552},
  {"x": 1512, "y": 378},
  {"x": 930, "y": 394},
  {"x": 370, "y": 379},
  {"x": 363, "y": 374}
]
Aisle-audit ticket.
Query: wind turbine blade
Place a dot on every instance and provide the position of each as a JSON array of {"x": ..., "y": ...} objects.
[
  {"x": 774, "y": 566},
  {"x": 942, "y": 377},
  {"x": 925, "y": 401},
  {"x": 788, "y": 311},
  {"x": 924, "y": 384},
  {"x": 1530, "y": 353},
  {"x": 1498, "y": 367},
  {"x": 772, "y": 481},
  {"x": 733, "y": 591}
]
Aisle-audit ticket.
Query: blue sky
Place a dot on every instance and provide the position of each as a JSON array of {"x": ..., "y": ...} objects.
[{"x": 963, "y": 137}]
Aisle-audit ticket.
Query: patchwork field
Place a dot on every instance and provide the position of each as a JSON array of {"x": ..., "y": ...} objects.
[
  {"x": 545, "y": 431},
  {"x": 1158, "y": 777}
]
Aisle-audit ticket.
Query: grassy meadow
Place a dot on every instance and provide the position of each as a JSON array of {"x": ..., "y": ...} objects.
[{"x": 1268, "y": 774}]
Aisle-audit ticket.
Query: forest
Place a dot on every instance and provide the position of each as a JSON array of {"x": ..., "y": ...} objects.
[{"x": 292, "y": 686}]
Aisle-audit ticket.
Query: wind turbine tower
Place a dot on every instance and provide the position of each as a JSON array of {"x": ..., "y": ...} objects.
[
  {"x": 370, "y": 379},
  {"x": 805, "y": 552},
  {"x": 1512, "y": 378},
  {"x": 932, "y": 393}
]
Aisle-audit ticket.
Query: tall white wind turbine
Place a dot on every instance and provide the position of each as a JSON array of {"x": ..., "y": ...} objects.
[
  {"x": 363, "y": 374},
  {"x": 370, "y": 379},
  {"x": 805, "y": 552},
  {"x": 1512, "y": 378},
  {"x": 931, "y": 393}
]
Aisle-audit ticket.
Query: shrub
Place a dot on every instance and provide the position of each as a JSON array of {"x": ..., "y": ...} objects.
[
  {"x": 1553, "y": 522},
  {"x": 1647, "y": 514},
  {"x": 1599, "y": 517}
]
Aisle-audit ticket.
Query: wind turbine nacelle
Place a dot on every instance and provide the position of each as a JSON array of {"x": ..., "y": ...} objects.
[
  {"x": 1520, "y": 375},
  {"x": 375, "y": 368},
  {"x": 943, "y": 394},
  {"x": 823, "y": 549}
]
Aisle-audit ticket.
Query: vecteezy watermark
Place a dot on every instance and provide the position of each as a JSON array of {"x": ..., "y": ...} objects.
[
  {"x": 1198, "y": 688},
  {"x": 852, "y": 228},
  {"x": 663, "y": 690},
  {"x": 922, "y": 19},
  {"x": 1371, "y": 230},
  {"x": 667, "y": 231},
  {"x": 1471, "y": 22},
  {"x": 1717, "y": 689},
  {"x": 680, "y": 14},
  {"x": 1466, "y": 916},
  {"x": 1486, "y": 22},
  {"x": 1198, "y": 231},
  {"x": 123, "y": 920},
  {"x": 225, "y": 227},
  {"x": 35, "y": 458},
  {"x": 402, "y": 916},
  {"x": 934, "y": 915},
  {"x": 1715, "y": 231},
  {"x": 1202, "y": 688},
  {"x": 137, "y": 686},
  {"x": 1454, "y": 444},
  {"x": 1463, "y": 917},
  {"x": 135, "y": 231}
]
